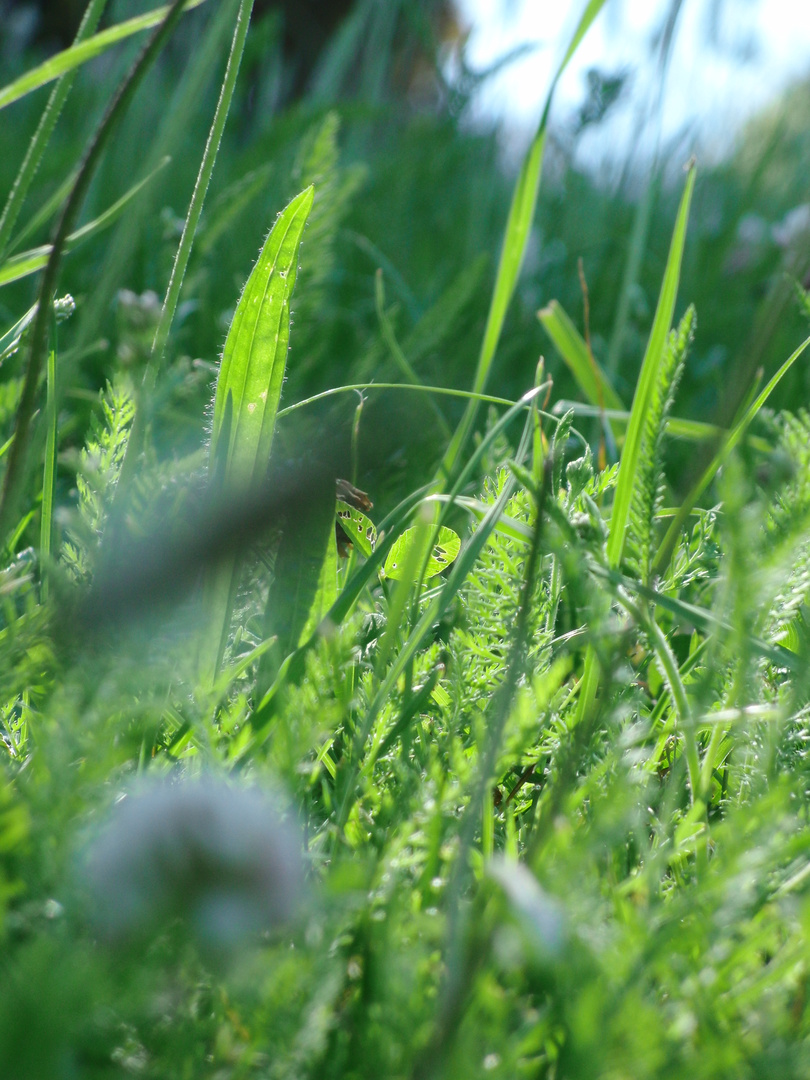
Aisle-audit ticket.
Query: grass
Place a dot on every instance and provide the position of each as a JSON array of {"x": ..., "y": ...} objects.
[{"x": 518, "y": 786}]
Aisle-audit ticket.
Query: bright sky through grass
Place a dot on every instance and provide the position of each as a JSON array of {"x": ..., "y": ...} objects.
[{"x": 729, "y": 59}]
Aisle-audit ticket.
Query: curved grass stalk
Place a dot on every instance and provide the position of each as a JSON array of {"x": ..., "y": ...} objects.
[{"x": 417, "y": 387}]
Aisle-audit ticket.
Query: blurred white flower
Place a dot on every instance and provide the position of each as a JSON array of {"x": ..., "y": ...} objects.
[
  {"x": 794, "y": 226},
  {"x": 218, "y": 855}
]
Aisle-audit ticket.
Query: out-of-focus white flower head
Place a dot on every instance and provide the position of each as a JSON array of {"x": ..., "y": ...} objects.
[{"x": 216, "y": 854}]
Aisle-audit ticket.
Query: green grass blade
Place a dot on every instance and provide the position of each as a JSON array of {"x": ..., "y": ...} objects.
[
  {"x": 17, "y": 465},
  {"x": 28, "y": 262},
  {"x": 247, "y": 395},
  {"x": 49, "y": 478},
  {"x": 592, "y": 380},
  {"x": 43, "y": 215},
  {"x": 192, "y": 220},
  {"x": 201, "y": 185},
  {"x": 42, "y": 135},
  {"x": 518, "y": 226},
  {"x": 628, "y": 467},
  {"x": 732, "y": 438},
  {"x": 76, "y": 55},
  {"x": 662, "y": 322},
  {"x": 678, "y": 427},
  {"x": 255, "y": 354},
  {"x": 11, "y": 338}
]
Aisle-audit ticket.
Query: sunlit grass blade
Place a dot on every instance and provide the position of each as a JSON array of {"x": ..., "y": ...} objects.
[
  {"x": 28, "y": 262},
  {"x": 518, "y": 226},
  {"x": 629, "y": 464},
  {"x": 730, "y": 440},
  {"x": 255, "y": 354},
  {"x": 247, "y": 395},
  {"x": 79, "y": 54},
  {"x": 592, "y": 380},
  {"x": 42, "y": 135}
]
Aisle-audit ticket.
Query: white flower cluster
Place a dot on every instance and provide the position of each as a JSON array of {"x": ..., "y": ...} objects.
[{"x": 215, "y": 854}]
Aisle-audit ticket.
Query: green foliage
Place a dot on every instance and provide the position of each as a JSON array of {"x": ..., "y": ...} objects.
[
  {"x": 97, "y": 475},
  {"x": 444, "y": 551},
  {"x": 542, "y": 770},
  {"x": 648, "y": 496}
]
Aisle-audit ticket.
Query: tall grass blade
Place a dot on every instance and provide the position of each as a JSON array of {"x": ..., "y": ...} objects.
[
  {"x": 518, "y": 226},
  {"x": 662, "y": 322},
  {"x": 629, "y": 465},
  {"x": 592, "y": 380}
]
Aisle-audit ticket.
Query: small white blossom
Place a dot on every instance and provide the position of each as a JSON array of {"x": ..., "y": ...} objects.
[{"x": 215, "y": 854}]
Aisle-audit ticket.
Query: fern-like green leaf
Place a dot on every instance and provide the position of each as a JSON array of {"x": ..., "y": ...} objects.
[{"x": 649, "y": 492}]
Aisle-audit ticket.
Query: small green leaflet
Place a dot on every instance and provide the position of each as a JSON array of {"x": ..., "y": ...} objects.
[
  {"x": 357, "y": 527},
  {"x": 445, "y": 550}
]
